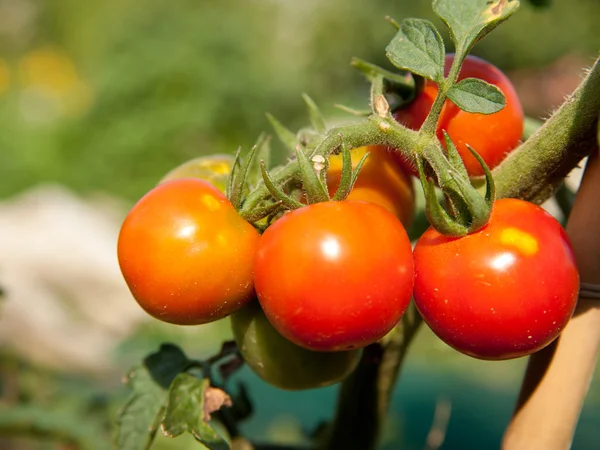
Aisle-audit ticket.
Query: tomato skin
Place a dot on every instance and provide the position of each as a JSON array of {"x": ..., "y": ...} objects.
[
  {"x": 334, "y": 276},
  {"x": 381, "y": 181},
  {"x": 493, "y": 136},
  {"x": 186, "y": 254},
  {"x": 282, "y": 363},
  {"x": 212, "y": 168},
  {"x": 502, "y": 292}
]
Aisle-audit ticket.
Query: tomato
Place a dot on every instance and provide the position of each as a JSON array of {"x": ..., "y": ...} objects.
[
  {"x": 493, "y": 136},
  {"x": 381, "y": 181},
  {"x": 502, "y": 292},
  {"x": 334, "y": 276},
  {"x": 186, "y": 254},
  {"x": 213, "y": 168},
  {"x": 282, "y": 363}
]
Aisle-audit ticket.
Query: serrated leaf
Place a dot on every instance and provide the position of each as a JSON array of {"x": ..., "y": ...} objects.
[
  {"x": 477, "y": 96},
  {"x": 185, "y": 412},
  {"x": 138, "y": 419},
  {"x": 166, "y": 364},
  {"x": 418, "y": 47},
  {"x": 470, "y": 20}
]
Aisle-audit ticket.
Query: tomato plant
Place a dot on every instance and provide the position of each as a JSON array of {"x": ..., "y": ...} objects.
[
  {"x": 186, "y": 254},
  {"x": 348, "y": 277},
  {"x": 503, "y": 292},
  {"x": 282, "y": 363},
  {"x": 493, "y": 136},
  {"x": 382, "y": 180}
]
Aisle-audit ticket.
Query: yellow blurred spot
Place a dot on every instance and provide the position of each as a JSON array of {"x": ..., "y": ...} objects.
[
  {"x": 524, "y": 242},
  {"x": 52, "y": 75},
  {"x": 4, "y": 76},
  {"x": 221, "y": 239},
  {"x": 211, "y": 203}
]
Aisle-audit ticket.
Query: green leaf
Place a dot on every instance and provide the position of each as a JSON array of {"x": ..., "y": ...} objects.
[
  {"x": 470, "y": 20},
  {"x": 418, "y": 47},
  {"x": 316, "y": 117},
  {"x": 477, "y": 96},
  {"x": 185, "y": 412},
  {"x": 138, "y": 419}
]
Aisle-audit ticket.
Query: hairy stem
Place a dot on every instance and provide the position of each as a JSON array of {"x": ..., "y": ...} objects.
[
  {"x": 535, "y": 169},
  {"x": 365, "y": 396}
]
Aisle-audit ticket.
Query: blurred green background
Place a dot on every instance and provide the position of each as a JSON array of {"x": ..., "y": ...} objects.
[{"x": 98, "y": 100}]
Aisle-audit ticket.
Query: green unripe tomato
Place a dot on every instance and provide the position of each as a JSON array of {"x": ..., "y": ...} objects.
[
  {"x": 212, "y": 168},
  {"x": 282, "y": 363}
]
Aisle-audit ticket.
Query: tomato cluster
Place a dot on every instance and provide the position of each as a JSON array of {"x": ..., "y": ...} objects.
[{"x": 327, "y": 279}]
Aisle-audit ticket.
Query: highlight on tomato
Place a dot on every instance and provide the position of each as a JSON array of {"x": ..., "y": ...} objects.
[
  {"x": 505, "y": 291},
  {"x": 334, "y": 276},
  {"x": 282, "y": 363},
  {"x": 493, "y": 136},
  {"x": 382, "y": 180},
  {"x": 186, "y": 254}
]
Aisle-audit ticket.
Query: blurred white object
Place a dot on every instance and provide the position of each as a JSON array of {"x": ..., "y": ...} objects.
[{"x": 65, "y": 302}]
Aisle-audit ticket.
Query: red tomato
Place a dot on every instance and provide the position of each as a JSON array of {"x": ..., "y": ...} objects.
[
  {"x": 502, "y": 292},
  {"x": 381, "y": 181},
  {"x": 334, "y": 276},
  {"x": 493, "y": 136},
  {"x": 186, "y": 254}
]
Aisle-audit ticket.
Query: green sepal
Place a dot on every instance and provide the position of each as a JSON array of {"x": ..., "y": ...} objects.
[
  {"x": 490, "y": 185},
  {"x": 345, "y": 186},
  {"x": 438, "y": 217},
  {"x": 316, "y": 117},
  {"x": 238, "y": 184},
  {"x": 185, "y": 412},
  {"x": 313, "y": 185},
  {"x": 354, "y": 112},
  {"x": 454, "y": 157},
  {"x": 234, "y": 168},
  {"x": 357, "y": 169},
  {"x": 286, "y": 137},
  {"x": 262, "y": 211},
  {"x": 263, "y": 153},
  {"x": 277, "y": 193}
]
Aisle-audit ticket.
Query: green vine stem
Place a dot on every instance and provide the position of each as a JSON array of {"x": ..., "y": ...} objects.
[
  {"x": 365, "y": 396},
  {"x": 535, "y": 169}
]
